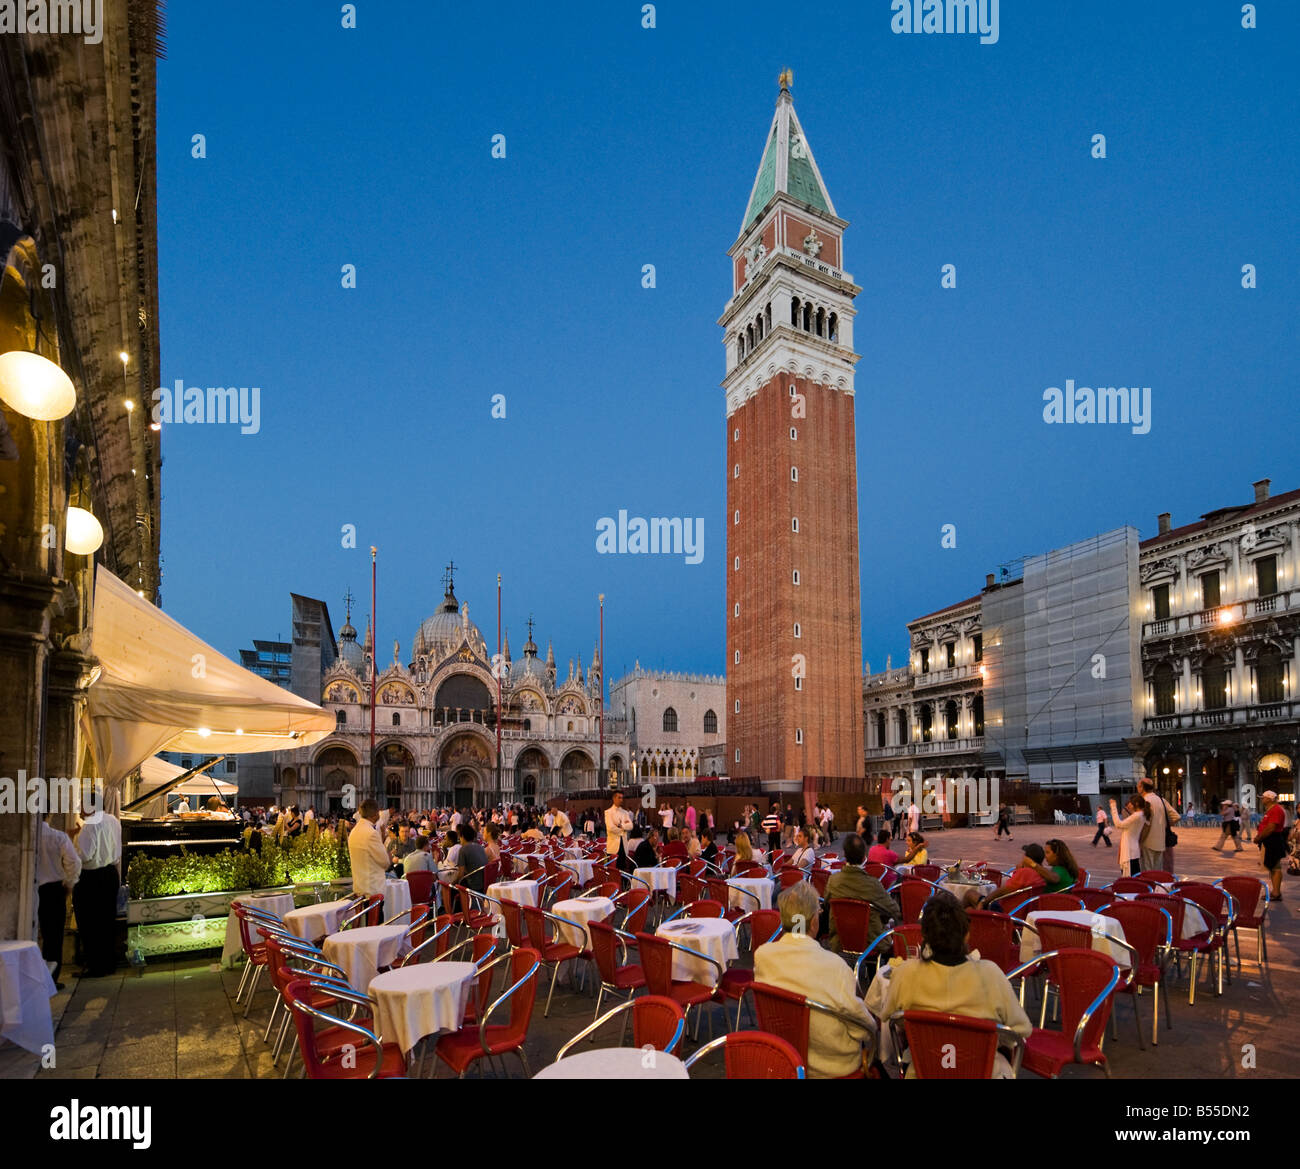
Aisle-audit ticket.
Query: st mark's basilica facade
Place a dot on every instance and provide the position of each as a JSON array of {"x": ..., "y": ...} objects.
[{"x": 435, "y": 724}]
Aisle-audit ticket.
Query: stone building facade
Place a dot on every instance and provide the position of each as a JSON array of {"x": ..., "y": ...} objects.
[
  {"x": 436, "y": 721},
  {"x": 676, "y": 723},
  {"x": 78, "y": 285}
]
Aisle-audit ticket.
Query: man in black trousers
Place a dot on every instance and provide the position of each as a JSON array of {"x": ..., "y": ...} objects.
[
  {"x": 94, "y": 900},
  {"x": 57, "y": 870}
]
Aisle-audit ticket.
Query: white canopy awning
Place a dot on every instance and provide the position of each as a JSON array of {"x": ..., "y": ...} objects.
[
  {"x": 163, "y": 689},
  {"x": 155, "y": 772}
]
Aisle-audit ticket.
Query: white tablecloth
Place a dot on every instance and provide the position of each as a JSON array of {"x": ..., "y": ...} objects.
[
  {"x": 277, "y": 903},
  {"x": 760, "y": 887},
  {"x": 421, "y": 1000},
  {"x": 968, "y": 894},
  {"x": 520, "y": 892},
  {"x": 581, "y": 869},
  {"x": 397, "y": 897},
  {"x": 581, "y": 910},
  {"x": 360, "y": 952},
  {"x": 616, "y": 1063},
  {"x": 714, "y": 937},
  {"x": 658, "y": 878},
  {"x": 1100, "y": 924},
  {"x": 25, "y": 992},
  {"x": 522, "y": 863},
  {"x": 310, "y": 922}
]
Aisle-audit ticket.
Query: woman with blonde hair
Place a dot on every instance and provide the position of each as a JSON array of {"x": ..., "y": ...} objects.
[
  {"x": 744, "y": 850},
  {"x": 1133, "y": 829}
]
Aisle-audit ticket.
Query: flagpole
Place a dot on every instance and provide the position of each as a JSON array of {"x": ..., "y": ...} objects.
[
  {"x": 374, "y": 649},
  {"x": 601, "y": 771},
  {"x": 500, "y": 665}
]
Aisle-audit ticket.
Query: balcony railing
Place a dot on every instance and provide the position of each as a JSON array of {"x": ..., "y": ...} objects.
[
  {"x": 949, "y": 674},
  {"x": 946, "y": 746},
  {"x": 1228, "y": 716},
  {"x": 1222, "y": 616}
]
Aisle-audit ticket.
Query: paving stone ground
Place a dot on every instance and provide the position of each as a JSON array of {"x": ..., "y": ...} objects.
[{"x": 177, "y": 1018}]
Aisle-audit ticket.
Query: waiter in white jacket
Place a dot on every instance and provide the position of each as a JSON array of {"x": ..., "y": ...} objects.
[
  {"x": 370, "y": 859},
  {"x": 618, "y": 823}
]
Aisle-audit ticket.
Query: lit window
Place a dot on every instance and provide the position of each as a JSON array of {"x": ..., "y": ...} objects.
[
  {"x": 737, "y": 705},
  {"x": 796, "y": 576},
  {"x": 737, "y": 563},
  {"x": 736, "y": 611},
  {"x": 794, "y": 474},
  {"x": 794, "y": 523},
  {"x": 736, "y": 518},
  {"x": 735, "y": 435},
  {"x": 737, "y": 754},
  {"x": 737, "y": 658},
  {"x": 735, "y": 471}
]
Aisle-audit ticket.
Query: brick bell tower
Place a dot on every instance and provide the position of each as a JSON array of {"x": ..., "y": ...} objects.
[{"x": 794, "y": 638}]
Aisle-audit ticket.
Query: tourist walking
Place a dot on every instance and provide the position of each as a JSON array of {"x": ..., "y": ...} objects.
[
  {"x": 1004, "y": 823},
  {"x": 1230, "y": 827},
  {"x": 772, "y": 826},
  {"x": 1271, "y": 841},
  {"x": 1161, "y": 837},
  {"x": 1103, "y": 828}
]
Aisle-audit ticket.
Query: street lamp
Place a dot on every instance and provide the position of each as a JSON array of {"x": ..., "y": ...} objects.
[{"x": 35, "y": 387}]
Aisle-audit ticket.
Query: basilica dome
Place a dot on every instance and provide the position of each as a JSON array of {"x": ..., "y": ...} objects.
[
  {"x": 444, "y": 632},
  {"x": 348, "y": 649}
]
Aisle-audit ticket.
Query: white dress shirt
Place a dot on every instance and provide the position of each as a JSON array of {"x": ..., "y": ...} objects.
[
  {"x": 370, "y": 859},
  {"x": 56, "y": 859},
  {"x": 99, "y": 843}
]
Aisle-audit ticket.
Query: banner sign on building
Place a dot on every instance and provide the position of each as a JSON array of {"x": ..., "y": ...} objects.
[{"x": 1089, "y": 777}]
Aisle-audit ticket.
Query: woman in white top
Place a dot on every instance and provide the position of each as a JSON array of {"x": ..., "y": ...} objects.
[{"x": 1133, "y": 831}]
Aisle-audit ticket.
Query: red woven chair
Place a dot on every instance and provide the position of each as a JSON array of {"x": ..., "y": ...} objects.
[
  {"x": 851, "y": 924},
  {"x": 911, "y": 894},
  {"x": 697, "y": 867},
  {"x": 927, "y": 872},
  {"x": 790, "y": 876},
  {"x": 956, "y": 1047},
  {"x": 1080, "y": 882},
  {"x": 820, "y": 879},
  {"x": 1149, "y": 929},
  {"x": 1087, "y": 980},
  {"x": 656, "y": 1022},
  {"x": 764, "y": 926},
  {"x": 994, "y": 936},
  {"x": 1055, "y": 934},
  {"x": 1192, "y": 945},
  {"x": 785, "y": 1014},
  {"x": 1043, "y": 903},
  {"x": 1093, "y": 899},
  {"x": 435, "y": 942},
  {"x": 1252, "y": 897},
  {"x": 552, "y": 951},
  {"x": 907, "y": 941},
  {"x": 288, "y": 959},
  {"x": 254, "y": 951},
  {"x": 720, "y": 892},
  {"x": 1159, "y": 876},
  {"x": 704, "y": 908},
  {"x": 421, "y": 883},
  {"x": 367, "y": 913},
  {"x": 748, "y": 869},
  {"x": 657, "y": 962},
  {"x": 1218, "y": 909},
  {"x": 1131, "y": 885},
  {"x": 636, "y": 903},
  {"x": 754, "y": 1055},
  {"x": 877, "y": 870},
  {"x": 689, "y": 889},
  {"x": 460, "y": 1049},
  {"x": 608, "y": 889},
  {"x": 615, "y": 979},
  {"x": 996, "y": 876},
  {"x": 512, "y": 920},
  {"x": 471, "y": 916},
  {"x": 366, "y": 1058},
  {"x": 482, "y": 948}
]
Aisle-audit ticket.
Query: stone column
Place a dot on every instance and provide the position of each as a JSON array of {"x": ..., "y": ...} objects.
[{"x": 25, "y": 615}]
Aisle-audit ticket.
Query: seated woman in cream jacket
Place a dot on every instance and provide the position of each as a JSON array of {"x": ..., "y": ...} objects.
[{"x": 946, "y": 979}]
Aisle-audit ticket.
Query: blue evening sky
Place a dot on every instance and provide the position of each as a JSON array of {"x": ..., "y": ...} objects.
[{"x": 624, "y": 147}]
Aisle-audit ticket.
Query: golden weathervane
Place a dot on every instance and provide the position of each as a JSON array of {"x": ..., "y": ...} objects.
[{"x": 786, "y": 79}]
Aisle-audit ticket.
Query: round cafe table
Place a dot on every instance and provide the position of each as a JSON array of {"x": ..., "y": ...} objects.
[
  {"x": 581, "y": 910},
  {"x": 520, "y": 892},
  {"x": 521, "y": 863},
  {"x": 360, "y": 952},
  {"x": 25, "y": 992},
  {"x": 759, "y": 887},
  {"x": 421, "y": 1000},
  {"x": 581, "y": 869},
  {"x": 616, "y": 1063},
  {"x": 1031, "y": 947},
  {"x": 659, "y": 877},
  {"x": 714, "y": 937},
  {"x": 277, "y": 903},
  {"x": 967, "y": 893},
  {"x": 310, "y": 922},
  {"x": 397, "y": 899}
]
